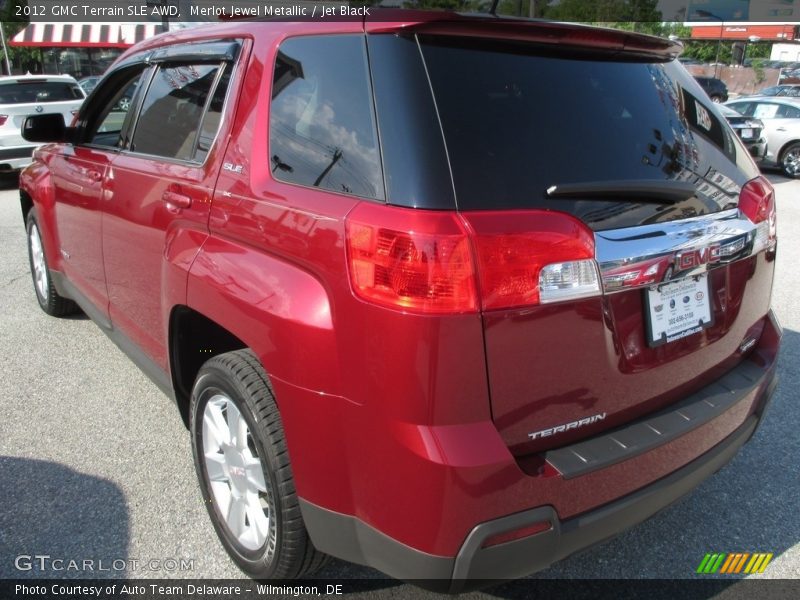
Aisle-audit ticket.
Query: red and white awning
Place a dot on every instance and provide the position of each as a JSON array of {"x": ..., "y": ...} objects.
[{"x": 85, "y": 35}]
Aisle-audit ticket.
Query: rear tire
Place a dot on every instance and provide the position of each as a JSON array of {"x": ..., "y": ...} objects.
[
  {"x": 790, "y": 160},
  {"x": 49, "y": 299},
  {"x": 243, "y": 467}
]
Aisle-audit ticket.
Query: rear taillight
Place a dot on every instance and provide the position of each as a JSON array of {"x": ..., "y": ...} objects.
[
  {"x": 425, "y": 261},
  {"x": 532, "y": 257},
  {"x": 3, "y": 119},
  {"x": 757, "y": 203},
  {"x": 411, "y": 259}
]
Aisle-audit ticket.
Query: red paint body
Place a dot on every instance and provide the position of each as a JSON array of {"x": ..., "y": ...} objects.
[{"x": 415, "y": 424}]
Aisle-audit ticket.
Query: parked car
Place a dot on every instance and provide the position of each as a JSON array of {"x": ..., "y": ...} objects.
[
  {"x": 89, "y": 83},
  {"x": 750, "y": 130},
  {"x": 23, "y": 95},
  {"x": 790, "y": 90},
  {"x": 788, "y": 75},
  {"x": 715, "y": 88},
  {"x": 451, "y": 355},
  {"x": 781, "y": 118}
]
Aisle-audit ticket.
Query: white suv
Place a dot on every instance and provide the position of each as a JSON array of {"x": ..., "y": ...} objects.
[{"x": 24, "y": 95}]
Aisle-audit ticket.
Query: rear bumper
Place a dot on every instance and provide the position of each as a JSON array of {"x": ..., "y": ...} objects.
[
  {"x": 16, "y": 157},
  {"x": 474, "y": 565},
  {"x": 757, "y": 149}
]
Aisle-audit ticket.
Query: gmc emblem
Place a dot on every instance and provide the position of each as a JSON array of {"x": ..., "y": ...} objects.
[{"x": 694, "y": 258}]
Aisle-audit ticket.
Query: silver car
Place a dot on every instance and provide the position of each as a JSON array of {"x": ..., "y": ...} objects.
[{"x": 781, "y": 118}]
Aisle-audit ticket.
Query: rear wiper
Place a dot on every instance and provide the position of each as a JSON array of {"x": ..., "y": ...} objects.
[{"x": 659, "y": 191}]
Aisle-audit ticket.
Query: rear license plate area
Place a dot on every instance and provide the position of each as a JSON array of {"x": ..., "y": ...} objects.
[{"x": 677, "y": 309}]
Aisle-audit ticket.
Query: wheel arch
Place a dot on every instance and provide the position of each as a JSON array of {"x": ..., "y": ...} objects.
[
  {"x": 783, "y": 149},
  {"x": 194, "y": 339}
]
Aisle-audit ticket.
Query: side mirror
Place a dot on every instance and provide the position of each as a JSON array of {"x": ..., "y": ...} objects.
[{"x": 45, "y": 128}]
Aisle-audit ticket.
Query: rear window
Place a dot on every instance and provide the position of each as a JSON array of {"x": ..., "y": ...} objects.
[
  {"x": 30, "y": 92},
  {"x": 518, "y": 119}
]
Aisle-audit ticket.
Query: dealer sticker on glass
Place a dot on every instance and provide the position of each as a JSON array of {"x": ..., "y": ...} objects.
[{"x": 676, "y": 310}]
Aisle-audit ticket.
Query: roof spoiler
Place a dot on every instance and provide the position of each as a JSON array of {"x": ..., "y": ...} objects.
[{"x": 539, "y": 31}]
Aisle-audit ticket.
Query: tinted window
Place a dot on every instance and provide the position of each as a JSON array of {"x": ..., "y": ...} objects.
[
  {"x": 518, "y": 119},
  {"x": 172, "y": 110},
  {"x": 213, "y": 117},
  {"x": 322, "y": 129},
  {"x": 744, "y": 108},
  {"x": 788, "y": 112},
  {"x": 28, "y": 92},
  {"x": 114, "y": 116}
]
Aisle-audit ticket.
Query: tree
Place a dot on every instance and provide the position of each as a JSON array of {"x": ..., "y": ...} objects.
[
  {"x": 632, "y": 12},
  {"x": 20, "y": 58}
]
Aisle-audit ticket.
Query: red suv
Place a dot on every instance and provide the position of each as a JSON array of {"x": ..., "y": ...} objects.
[{"x": 452, "y": 297}]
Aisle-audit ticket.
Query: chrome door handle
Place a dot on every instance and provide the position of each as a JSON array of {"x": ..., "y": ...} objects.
[{"x": 176, "y": 201}]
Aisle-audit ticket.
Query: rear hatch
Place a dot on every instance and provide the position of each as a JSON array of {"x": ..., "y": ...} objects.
[
  {"x": 23, "y": 97},
  {"x": 624, "y": 150}
]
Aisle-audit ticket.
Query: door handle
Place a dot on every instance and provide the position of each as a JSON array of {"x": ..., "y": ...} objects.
[
  {"x": 780, "y": 129},
  {"x": 176, "y": 201}
]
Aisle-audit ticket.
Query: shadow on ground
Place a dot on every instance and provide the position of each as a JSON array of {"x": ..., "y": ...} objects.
[{"x": 51, "y": 510}]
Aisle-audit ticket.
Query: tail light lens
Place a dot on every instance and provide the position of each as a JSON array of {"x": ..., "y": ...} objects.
[
  {"x": 532, "y": 257},
  {"x": 3, "y": 119},
  {"x": 411, "y": 259},
  {"x": 425, "y": 261},
  {"x": 757, "y": 202}
]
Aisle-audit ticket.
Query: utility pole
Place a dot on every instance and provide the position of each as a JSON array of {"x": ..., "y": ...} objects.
[
  {"x": 337, "y": 154},
  {"x": 163, "y": 5},
  {"x": 5, "y": 50}
]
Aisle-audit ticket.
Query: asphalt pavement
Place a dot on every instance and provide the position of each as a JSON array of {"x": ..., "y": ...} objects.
[{"x": 95, "y": 463}]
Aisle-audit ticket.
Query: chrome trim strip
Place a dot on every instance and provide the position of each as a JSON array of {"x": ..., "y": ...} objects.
[{"x": 637, "y": 257}]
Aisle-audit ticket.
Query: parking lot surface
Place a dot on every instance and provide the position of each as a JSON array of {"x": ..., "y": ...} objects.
[{"x": 95, "y": 463}]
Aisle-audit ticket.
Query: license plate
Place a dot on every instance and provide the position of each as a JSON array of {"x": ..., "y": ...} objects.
[
  {"x": 678, "y": 309},
  {"x": 747, "y": 133}
]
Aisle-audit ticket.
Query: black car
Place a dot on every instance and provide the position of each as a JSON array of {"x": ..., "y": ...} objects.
[
  {"x": 715, "y": 88},
  {"x": 750, "y": 131}
]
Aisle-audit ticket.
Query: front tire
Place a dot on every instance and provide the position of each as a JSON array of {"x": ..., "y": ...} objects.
[
  {"x": 49, "y": 299},
  {"x": 790, "y": 161},
  {"x": 243, "y": 467}
]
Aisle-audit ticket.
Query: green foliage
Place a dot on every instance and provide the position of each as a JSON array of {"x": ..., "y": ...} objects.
[
  {"x": 18, "y": 57},
  {"x": 631, "y": 12}
]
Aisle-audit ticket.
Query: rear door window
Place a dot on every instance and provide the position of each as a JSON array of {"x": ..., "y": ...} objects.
[
  {"x": 172, "y": 110},
  {"x": 322, "y": 125},
  {"x": 787, "y": 112},
  {"x": 765, "y": 110}
]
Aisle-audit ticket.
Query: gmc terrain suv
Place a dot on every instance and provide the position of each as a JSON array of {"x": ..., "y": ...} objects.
[{"x": 453, "y": 297}]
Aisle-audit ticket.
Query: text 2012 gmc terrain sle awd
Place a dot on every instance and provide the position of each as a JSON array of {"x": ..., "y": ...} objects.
[{"x": 451, "y": 297}]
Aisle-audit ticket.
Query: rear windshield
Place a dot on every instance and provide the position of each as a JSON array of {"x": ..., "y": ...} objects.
[
  {"x": 519, "y": 119},
  {"x": 29, "y": 92}
]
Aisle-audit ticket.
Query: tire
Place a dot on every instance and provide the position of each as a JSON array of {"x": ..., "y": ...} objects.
[
  {"x": 790, "y": 160},
  {"x": 49, "y": 299},
  {"x": 245, "y": 475}
]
